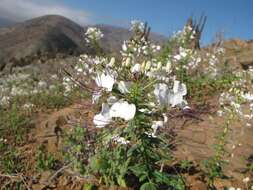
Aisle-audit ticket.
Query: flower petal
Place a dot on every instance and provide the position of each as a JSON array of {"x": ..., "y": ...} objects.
[
  {"x": 124, "y": 87},
  {"x": 161, "y": 92},
  {"x": 103, "y": 118},
  {"x": 123, "y": 110},
  {"x": 136, "y": 68},
  {"x": 105, "y": 81}
]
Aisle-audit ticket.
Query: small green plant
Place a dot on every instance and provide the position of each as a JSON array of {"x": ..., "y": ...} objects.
[
  {"x": 11, "y": 161},
  {"x": 44, "y": 161},
  {"x": 75, "y": 148},
  {"x": 213, "y": 166},
  {"x": 49, "y": 100},
  {"x": 185, "y": 165},
  {"x": 89, "y": 186},
  {"x": 251, "y": 167},
  {"x": 14, "y": 123}
]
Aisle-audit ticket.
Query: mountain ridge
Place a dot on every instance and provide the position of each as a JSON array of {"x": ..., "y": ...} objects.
[{"x": 53, "y": 34}]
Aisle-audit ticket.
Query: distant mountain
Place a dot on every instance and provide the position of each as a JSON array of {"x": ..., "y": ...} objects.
[
  {"x": 4, "y": 22},
  {"x": 50, "y": 35},
  {"x": 45, "y": 35}
]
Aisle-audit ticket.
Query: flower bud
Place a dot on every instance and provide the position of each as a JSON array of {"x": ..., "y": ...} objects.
[
  {"x": 128, "y": 61},
  {"x": 143, "y": 65},
  {"x": 112, "y": 62},
  {"x": 168, "y": 67},
  {"x": 159, "y": 65},
  {"x": 148, "y": 66}
]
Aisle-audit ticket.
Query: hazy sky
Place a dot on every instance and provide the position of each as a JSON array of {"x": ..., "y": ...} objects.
[{"x": 233, "y": 17}]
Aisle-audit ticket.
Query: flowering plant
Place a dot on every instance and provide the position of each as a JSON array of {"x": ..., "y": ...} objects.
[{"x": 134, "y": 94}]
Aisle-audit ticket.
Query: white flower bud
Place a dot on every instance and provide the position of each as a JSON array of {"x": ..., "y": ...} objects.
[
  {"x": 148, "y": 66},
  {"x": 112, "y": 62},
  {"x": 143, "y": 65},
  {"x": 168, "y": 67},
  {"x": 159, "y": 65},
  {"x": 128, "y": 61}
]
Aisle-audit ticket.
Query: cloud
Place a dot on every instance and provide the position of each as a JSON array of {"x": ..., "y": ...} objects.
[{"x": 20, "y": 10}]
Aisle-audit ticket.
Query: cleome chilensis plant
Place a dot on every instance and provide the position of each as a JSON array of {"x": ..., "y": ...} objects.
[{"x": 132, "y": 96}]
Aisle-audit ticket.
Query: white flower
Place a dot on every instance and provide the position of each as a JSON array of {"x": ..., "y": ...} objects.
[
  {"x": 177, "y": 57},
  {"x": 137, "y": 25},
  {"x": 124, "y": 86},
  {"x": 220, "y": 113},
  {"x": 246, "y": 180},
  {"x": 155, "y": 126},
  {"x": 165, "y": 118},
  {"x": 248, "y": 124},
  {"x": 93, "y": 33},
  {"x": 247, "y": 96},
  {"x": 174, "y": 97},
  {"x": 179, "y": 91},
  {"x": 136, "y": 68},
  {"x": 233, "y": 188},
  {"x": 42, "y": 84},
  {"x": 111, "y": 100},
  {"x": 105, "y": 81},
  {"x": 28, "y": 105},
  {"x": 161, "y": 92},
  {"x": 123, "y": 110},
  {"x": 4, "y": 100},
  {"x": 120, "y": 140},
  {"x": 124, "y": 46},
  {"x": 103, "y": 118},
  {"x": 95, "y": 96},
  {"x": 145, "y": 110}
]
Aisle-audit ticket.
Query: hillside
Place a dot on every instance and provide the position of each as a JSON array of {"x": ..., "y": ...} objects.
[
  {"x": 239, "y": 52},
  {"x": 4, "y": 22},
  {"x": 47, "y": 36}
]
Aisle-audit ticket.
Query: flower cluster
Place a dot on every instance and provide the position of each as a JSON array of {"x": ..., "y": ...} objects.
[
  {"x": 117, "y": 79},
  {"x": 137, "y": 26},
  {"x": 26, "y": 85},
  {"x": 93, "y": 34},
  {"x": 239, "y": 98},
  {"x": 133, "y": 93},
  {"x": 18, "y": 85},
  {"x": 185, "y": 35}
]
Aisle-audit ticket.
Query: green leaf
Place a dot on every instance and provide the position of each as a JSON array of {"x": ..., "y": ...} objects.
[
  {"x": 140, "y": 171},
  {"x": 170, "y": 180},
  {"x": 121, "y": 181},
  {"x": 148, "y": 186}
]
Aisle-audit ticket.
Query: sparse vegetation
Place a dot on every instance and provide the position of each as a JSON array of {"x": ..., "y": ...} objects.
[
  {"x": 44, "y": 160},
  {"x": 132, "y": 142}
]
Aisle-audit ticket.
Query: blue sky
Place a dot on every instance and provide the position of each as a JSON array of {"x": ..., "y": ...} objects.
[{"x": 232, "y": 17}]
